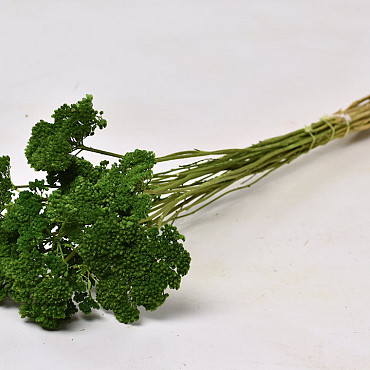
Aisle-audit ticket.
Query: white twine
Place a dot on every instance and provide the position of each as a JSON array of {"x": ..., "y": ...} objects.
[{"x": 348, "y": 120}]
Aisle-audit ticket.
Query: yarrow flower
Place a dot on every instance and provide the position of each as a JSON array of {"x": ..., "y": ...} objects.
[{"x": 92, "y": 236}]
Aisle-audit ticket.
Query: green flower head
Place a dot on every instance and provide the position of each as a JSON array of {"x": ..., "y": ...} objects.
[
  {"x": 5, "y": 182},
  {"x": 51, "y": 144}
]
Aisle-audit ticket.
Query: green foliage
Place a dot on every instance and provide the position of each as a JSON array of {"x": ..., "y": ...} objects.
[
  {"x": 89, "y": 236},
  {"x": 51, "y": 144},
  {"x": 125, "y": 256},
  {"x": 77, "y": 241},
  {"x": 5, "y": 182}
]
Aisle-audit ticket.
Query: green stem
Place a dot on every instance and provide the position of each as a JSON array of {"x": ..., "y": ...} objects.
[
  {"x": 193, "y": 185},
  {"x": 71, "y": 255},
  {"x": 20, "y": 186},
  {"x": 16, "y": 187},
  {"x": 98, "y": 151}
]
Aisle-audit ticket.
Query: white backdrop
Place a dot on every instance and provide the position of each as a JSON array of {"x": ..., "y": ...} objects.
[{"x": 280, "y": 272}]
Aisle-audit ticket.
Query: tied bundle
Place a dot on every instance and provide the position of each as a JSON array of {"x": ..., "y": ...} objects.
[
  {"x": 103, "y": 236},
  {"x": 196, "y": 185}
]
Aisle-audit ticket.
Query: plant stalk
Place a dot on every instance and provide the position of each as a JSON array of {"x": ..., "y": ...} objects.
[{"x": 196, "y": 185}]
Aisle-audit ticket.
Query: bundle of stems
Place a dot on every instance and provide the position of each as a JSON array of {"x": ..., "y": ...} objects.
[
  {"x": 92, "y": 226},
  {"x": 195, "y": 185}
]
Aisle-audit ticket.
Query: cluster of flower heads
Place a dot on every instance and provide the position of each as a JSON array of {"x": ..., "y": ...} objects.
[
  {"x": 77, "y": 241},
  {"x": 51, "y": 144}
]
